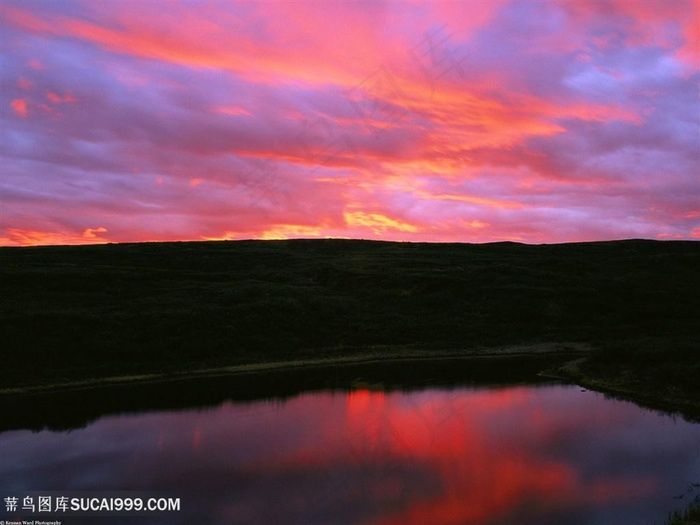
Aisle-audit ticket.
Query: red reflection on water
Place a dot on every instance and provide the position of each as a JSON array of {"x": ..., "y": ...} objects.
[
  {"x": 486, "y": 451},
  {"x": 480, "y": 478},
  {"x": 516, "y": 455},
  {"x": 196, "y": 438}
]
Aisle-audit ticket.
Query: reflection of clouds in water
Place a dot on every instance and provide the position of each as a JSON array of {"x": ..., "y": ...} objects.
[{"x": 513, "y": 455}]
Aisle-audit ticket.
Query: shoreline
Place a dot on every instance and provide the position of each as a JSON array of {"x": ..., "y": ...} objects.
[
  {"x": 558, "y": 361},
  {"x": 536, "y": 351},
  {"x": 571, "y": 372}
]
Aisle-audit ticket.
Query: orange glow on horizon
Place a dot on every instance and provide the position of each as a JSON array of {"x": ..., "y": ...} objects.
[{"x": 18, "y": 237}]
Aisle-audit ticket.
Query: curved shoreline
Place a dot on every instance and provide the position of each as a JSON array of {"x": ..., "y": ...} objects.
[
  {"x": 543, "y": 351},
  {"x": 571, "y": 372},
  {"x": 559, "y": 362}
]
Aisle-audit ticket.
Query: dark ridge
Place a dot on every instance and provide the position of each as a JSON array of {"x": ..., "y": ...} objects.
[{"x": 69, "y": 313}]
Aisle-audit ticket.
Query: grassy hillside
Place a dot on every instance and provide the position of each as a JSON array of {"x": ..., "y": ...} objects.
[{"x": 101, "y": 310}]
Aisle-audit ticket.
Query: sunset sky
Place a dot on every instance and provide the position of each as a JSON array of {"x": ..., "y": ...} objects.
[{"x": 473, "y": 121}]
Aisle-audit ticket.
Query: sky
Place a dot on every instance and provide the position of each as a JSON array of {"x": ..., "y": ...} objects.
[{"x": 473, "y": 121}]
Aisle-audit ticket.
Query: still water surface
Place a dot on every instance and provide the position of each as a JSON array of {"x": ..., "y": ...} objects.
[{"x": 549, "y": 454}]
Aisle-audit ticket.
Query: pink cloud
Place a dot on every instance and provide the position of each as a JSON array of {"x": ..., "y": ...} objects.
[
  {"x": 57, "y": 98},
  {"x": 470, "y": 121},
  {"x": 24, "y": 83},
  {"x": 20, "y": 107}
]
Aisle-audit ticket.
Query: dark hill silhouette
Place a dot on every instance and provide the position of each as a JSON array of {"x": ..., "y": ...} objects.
[{"x": 94, "y": 311}]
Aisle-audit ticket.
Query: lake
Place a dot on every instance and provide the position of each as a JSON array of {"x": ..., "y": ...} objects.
[{"x": 520, "y": 454}]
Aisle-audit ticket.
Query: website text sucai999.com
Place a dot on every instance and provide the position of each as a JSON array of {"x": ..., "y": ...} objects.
[{"x": 16, "y": 507}]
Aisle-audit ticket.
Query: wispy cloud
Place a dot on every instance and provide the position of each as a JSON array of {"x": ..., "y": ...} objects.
[{"x": 465, "y": 121}]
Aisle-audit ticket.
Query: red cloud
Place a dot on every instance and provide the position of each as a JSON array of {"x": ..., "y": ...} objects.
[
  {"x": 422, "y": 122},
  {"x": 20, "y": 107}
]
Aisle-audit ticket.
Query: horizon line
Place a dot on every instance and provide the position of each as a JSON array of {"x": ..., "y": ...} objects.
[{"x": 351, "y": 239}]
